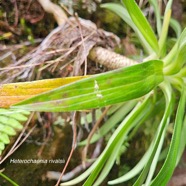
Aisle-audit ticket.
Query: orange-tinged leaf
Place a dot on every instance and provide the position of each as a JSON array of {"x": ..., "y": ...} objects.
[{"x": 15, "y": 92}]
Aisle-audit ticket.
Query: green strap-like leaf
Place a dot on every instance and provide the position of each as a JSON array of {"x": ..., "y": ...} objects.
[
  {"x": 137, "y": 114},
  {"x": 142, "y": 23},
  {"x": 8, "y": 179},
  {"x": 176, "y": 27},
  {"x": 155, "y": 5},
  {"x": 162, "y": 127},
  {"x": 123, "y": 13},
  {"x": 134, "y": 171},
  {"x": 99, "y": 90},
  {"x": 164, "y": 31},
  {"x": 142, "y": 116},
  {"x": 171, "y": 59},
  {"x": 167, "y": 170},
  {"x": 183, "y": 141},
  {"x": 114, "y": 143}
]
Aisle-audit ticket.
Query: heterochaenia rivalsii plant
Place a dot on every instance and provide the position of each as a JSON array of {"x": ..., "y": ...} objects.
[{"x": 139, "y": 86}]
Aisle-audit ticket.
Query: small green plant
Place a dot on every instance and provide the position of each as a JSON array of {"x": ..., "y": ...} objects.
[{"x": 162, "y": 71}]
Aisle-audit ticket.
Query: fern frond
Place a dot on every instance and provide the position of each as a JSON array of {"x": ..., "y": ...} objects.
[{"x": 10, "y": 123}]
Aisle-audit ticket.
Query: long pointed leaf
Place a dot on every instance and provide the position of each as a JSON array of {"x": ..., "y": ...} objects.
[
  {"x": 169, "y": 105},
  {"x": 142, "y": 23},
  {"x": 167, "y": 170},
  {"x": 135, "y": 170},
  {"x": 114, "y": 142},
  {"x": 118, "y": 137},
  {"x": 137, "y": 121},
  {"x": 99, "y": 90},
  {"x": 154, "y": 3}
]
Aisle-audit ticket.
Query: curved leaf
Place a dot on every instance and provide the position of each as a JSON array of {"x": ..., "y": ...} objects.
[
  {"x": 157, "y": 12},
  {"x": 162, "y": 127},
  {"x": 145, "y": 112},
  {"x": 134, "y": 171},
  {"x": 114, "y": 143},
  {"x": 167, "y": 170},
  {"x": 142, "y": 23}
]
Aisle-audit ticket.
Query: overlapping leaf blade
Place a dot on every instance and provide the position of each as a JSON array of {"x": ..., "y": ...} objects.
[
  {"x": 165, "y": 120},
  {"x": 155, "y": 5},
  {"x": 143, "y": 113},
  {"x": 99, "y": 90},
  {"x": 167, "y": 169},
  {"x": 183, "y": 141},
  {"x": 172, "y": 60},
  {"x": 115, "y": 142},
  {"x": 135, "y": 170},
  {"x": 142, "y": 24}
]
